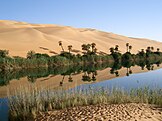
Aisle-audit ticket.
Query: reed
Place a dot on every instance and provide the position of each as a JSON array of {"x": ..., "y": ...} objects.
[{"x": 29, "y": 101}]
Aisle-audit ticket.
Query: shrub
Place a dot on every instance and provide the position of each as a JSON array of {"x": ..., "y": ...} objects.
[
  {"x": 4, "y": 53},
  {"x": 127, "y": 56}
]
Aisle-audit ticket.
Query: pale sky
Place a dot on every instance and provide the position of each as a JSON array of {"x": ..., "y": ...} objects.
[{"x": 133, "y": 18}]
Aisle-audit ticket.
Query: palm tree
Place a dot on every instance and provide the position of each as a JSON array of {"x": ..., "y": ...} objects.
[
  {"x": 86, "y": 77},
  {"x": 152, "y": 48},
  {"x": 148, "y": 50},
  {"x": 130, "y": 47},
  {"x": 142, "y": 52},
  {"x": 116, "y": 48},
  {"x": 152, "y": 67},
  {"x": 127, "y": 45},
  {"x": 116, "y": 73},
  {"x": 127, "y": 74},
  {"x": 70, "y": 79},
  {"x": 84, "y": 47},
  {"x": 88, "y": 48},
  {"x": 93, "y": 76},
  {"x": 112, "y": 71},
  {"x": 93, "y": 45},
  {"x": 61, "y": 82},
  {"x": 70, "y": 48},
  {"x": 112, "y": 50},
  {"x": 60, "y": 44}
]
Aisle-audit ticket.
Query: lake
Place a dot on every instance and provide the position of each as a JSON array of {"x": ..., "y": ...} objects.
[{"x": 125, "y": 76}]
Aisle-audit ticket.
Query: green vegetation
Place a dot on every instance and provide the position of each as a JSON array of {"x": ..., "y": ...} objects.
[
  {"x": 90, "y": 56},
  {"x": 115, "y": 53},
  {"x": 17, "y": 67},
  {"x": 30, "y": 101},
  {"x": 4, "y": 53},
  {"x": 89, "y": 71}
]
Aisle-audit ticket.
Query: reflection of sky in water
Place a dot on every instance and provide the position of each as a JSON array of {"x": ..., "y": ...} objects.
[
  {"x": 152, "y": 79},
  {"x": 3, "y": 110}
]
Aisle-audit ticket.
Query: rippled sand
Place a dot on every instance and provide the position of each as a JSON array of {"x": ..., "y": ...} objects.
[{"x": 105, "y": 112}]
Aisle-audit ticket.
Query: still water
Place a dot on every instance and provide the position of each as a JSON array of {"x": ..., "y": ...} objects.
[
  {"x": 122, "y": 75},
  {"x": 3, "y": 109},
  {"x": 151, "y": 79}
]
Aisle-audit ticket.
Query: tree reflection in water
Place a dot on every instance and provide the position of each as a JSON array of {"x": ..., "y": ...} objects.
[{"x": 89, "y": 71}]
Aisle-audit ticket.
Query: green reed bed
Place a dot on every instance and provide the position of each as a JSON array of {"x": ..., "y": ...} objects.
[{"x": 29, "y": 101}]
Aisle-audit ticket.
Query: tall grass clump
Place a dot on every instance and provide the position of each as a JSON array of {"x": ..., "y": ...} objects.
[{"x": 29, "y": 101}]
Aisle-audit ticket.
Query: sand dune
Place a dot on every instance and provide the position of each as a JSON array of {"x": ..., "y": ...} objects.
[{"x": 20, "y": 37}]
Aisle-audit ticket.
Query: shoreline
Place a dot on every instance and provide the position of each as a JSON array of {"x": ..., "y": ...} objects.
[
  {"x": 28, "y": 104},
  {"x": 105, "y": 112},
  {"x": 102, "y": 75}
]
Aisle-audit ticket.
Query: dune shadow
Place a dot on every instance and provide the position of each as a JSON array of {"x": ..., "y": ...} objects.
[
  {"x": 50, "y": 51},
  {"x": 43, "y": 48}
]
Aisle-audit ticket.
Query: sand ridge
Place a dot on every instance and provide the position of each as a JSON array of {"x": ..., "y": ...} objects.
[{"x": 20, "y": 37}]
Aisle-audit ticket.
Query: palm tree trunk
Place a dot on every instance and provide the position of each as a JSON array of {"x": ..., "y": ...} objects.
[
  {"x": 127, "y": 49},
  {"x": 62, "y": 80},
  {"x": 62, "y": 48}
]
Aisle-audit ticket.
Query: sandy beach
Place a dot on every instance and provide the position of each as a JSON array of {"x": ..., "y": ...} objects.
[{"x": 105, "y": 112}]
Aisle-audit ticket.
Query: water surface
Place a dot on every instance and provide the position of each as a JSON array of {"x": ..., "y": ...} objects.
[
  {"x": 151, "y": 79},
  {"x": 122, "y": 75}
]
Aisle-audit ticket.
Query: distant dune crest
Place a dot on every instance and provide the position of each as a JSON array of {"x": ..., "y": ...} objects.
[{"x": 20, "y": 37}]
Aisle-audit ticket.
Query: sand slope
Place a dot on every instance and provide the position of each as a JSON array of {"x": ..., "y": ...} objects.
[{"x": 20, "y": 37}]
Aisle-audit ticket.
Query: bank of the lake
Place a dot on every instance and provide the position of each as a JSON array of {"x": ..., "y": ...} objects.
[
  {"x": 72, "y": 76},
  {"x": 90, "y": 55},
  {"x": 30, "y": 102},
  {"x": 91, "y": 68},
  {"x": 105, "y": 112}
]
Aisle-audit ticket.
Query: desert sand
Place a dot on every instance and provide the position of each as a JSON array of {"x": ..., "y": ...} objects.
[
  {"x": 104, "y": 112},
  {"x": 21, "y": 37}
]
